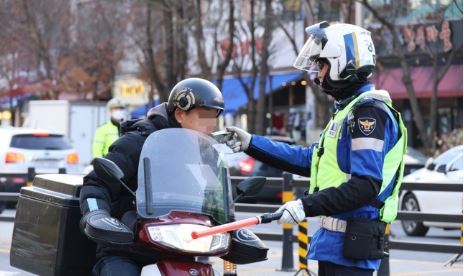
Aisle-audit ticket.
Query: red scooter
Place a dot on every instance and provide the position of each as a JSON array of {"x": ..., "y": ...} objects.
[{"x": 184, "y": 188}]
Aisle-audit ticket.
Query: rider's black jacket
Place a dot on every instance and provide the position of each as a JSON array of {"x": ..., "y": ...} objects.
[{"x": 125, "y": 152}]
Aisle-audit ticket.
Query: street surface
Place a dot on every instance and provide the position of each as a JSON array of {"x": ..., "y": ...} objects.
[{"x": 401, "y": 262}]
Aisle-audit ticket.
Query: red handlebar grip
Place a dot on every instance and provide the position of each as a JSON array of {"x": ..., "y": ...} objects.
[{"x": 225, "y": 227}]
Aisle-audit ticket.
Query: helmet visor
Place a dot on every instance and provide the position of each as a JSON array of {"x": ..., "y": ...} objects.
[{"x": 307, "y": 58}]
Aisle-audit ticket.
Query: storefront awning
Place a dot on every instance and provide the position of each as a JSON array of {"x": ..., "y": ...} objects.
[
  {"x": 422, "y": 77},
  {"x": 235, "y": 95}
]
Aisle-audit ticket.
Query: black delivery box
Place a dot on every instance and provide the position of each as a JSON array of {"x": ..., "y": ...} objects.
[{"x": 46, "y": 236}]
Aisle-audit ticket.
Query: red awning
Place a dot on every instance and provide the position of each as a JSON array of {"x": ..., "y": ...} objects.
[{"x": 390, "y": 80}]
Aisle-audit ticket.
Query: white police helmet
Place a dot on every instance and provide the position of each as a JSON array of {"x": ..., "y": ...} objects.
[
  {"x": 116, "y": 102},
  {"x": 347, "y": 48}
]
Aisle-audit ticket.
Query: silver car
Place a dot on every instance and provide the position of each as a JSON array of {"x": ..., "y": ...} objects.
[
  {"x": 42, "y": 150},
  {"x": 446, "y": 168}
]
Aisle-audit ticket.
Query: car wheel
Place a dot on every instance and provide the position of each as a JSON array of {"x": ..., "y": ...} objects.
[{"x": 411, "y": 227}]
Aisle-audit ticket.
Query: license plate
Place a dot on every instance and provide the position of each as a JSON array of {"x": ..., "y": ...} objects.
[{"x": 46, "y": 164}]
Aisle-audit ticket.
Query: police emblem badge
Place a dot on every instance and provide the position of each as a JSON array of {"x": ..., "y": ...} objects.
[{"x": 366, "y": 125}]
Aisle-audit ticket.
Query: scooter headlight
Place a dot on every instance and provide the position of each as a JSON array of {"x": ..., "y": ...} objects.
[{"x": 178, "y": 236}]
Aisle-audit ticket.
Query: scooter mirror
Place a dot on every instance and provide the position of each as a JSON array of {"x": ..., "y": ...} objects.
[
  {"x": 107, "y": 170},
  {"x": 250, "y": 186}
]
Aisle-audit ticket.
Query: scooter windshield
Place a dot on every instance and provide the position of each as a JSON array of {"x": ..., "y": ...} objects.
[{"x": 182, "y": 170}]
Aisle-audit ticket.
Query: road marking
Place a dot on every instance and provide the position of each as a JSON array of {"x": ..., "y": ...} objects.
[
  {"x": 416, "y": 261},
  {"x": 427, "y": 272}
]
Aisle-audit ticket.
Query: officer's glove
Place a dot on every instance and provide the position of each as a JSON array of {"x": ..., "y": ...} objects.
[
  {"x": 293, "y": 212},
  {"x": 239, "y": 140},
  {"x": 100, "y": 227}
]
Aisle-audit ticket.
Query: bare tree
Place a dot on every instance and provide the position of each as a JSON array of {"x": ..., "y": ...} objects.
[
  {"x": 68, "y": 56},
  {"x": 230, "y": 47},
  {"x": 439, "y": 70},
  {"x": 197, "y": 31},
  {"x": 241, "y": 63},
  {"x": 149, "y": 53},
  {"x": 264, "y": 68},
  {"x": 159, "y": 31}
]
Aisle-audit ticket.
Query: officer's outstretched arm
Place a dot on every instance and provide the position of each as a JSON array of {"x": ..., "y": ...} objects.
[{"x": 291, "y": 158}]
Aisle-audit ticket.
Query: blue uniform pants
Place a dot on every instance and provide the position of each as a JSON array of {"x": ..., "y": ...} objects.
[{"x": 331, "y": 269}]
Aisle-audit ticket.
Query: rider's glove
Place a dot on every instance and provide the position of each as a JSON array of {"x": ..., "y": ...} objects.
[
  {"x": 239, "y": 140},
  {"x": 100, "y": 227},
  {"x": 293, "y": 212}
]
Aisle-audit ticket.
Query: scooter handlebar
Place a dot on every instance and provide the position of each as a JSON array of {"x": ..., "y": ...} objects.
[{"x": 270, "y": 217}]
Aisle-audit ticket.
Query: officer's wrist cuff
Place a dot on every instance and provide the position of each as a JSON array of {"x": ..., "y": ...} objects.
[{"x": 307, "y": 204}]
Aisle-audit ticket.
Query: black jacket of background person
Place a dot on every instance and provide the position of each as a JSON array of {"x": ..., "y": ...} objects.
[{"x": 119, "y": 202}]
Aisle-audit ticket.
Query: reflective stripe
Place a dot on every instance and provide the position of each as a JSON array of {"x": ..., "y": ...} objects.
[
  {"x": 92, "y": 204},
  {"x": 367, "y": 144},
  {"x": 333, "y": 224}
]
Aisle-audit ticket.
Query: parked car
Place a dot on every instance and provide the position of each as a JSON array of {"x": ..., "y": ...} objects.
[
  {"x": 446, "y": 168},
  {"x": 413, "y": 161},
  {"x": 21, "y": 148}
]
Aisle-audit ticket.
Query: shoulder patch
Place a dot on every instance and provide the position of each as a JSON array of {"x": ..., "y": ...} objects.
[{"x": 366, "y": 125}]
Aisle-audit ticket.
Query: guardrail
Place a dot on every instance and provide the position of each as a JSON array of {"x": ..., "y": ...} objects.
[{"x": 303, "y": 183}]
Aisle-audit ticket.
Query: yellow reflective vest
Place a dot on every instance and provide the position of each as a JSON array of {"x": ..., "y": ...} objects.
[{"x": 105, "y": 135}]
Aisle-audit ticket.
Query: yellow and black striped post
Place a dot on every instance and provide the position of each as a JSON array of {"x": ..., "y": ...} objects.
[
  {"x": 458, "y": 256},
  {"x": 30, "y": 176},
  {"x": 462, "y": 228},
  {"x": 287, "y": 237},
  {"x": 230, "y": 269},
  {"x": 384, "y": 268},
  {"x": 303, "y": 241}
]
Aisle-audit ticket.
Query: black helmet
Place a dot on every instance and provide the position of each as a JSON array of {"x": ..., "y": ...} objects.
[{"x": 195, "y": 92}]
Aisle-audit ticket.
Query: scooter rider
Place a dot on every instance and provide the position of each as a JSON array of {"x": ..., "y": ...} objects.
[
  {"x": 193, "y": 103},
  {"x": 356, "y": 168}
]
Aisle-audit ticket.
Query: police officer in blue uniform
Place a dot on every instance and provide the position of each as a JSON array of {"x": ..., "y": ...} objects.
[{"x": 356, "y": 167}]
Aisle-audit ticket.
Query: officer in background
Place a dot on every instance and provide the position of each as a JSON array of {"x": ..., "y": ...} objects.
[
  {"x": 356, "y": 168},
  {"x": 107, "y": 133}
]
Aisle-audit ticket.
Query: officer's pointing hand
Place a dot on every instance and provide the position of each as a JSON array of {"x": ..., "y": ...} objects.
[
  {"x": 239, "y": 140},
  {"x": 293, "y": 212}
]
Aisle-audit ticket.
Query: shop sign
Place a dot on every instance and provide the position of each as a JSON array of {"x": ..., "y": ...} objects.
[
  {"x": 418, "y": 37},
  {"x": 131, "y": 90}
]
